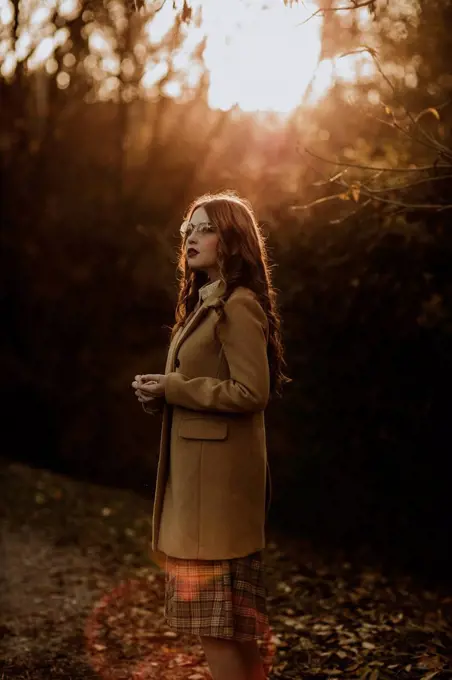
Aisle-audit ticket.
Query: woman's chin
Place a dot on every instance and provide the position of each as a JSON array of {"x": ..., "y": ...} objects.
[{"x": 195, "y": 266}]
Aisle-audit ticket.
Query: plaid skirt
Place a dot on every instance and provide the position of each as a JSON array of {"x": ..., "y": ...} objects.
[{"x": 218, "y": 598}]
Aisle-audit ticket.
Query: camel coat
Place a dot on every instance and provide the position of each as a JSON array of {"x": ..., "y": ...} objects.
[{"x": 210, "y": 497}]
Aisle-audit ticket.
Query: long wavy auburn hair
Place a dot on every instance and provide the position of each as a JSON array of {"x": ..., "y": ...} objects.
[{"x": 242, "y": 260}]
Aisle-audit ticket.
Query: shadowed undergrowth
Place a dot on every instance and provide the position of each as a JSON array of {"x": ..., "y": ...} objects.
[{"x": 81, "y": 598}]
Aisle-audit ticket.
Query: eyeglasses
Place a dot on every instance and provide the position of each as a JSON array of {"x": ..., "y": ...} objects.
[{"x": 187, "y": 228}]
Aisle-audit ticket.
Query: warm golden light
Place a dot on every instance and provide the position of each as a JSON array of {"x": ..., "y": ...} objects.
[
  {"x": 257, "y": 54},
  {"x": 6, "y": 12},
  {"x": 260, "y": 56}
]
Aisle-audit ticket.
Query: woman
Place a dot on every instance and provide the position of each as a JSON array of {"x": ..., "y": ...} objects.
[{"x": 224, "y": 362}]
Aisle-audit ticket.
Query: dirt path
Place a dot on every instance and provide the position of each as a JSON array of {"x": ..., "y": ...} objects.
[{"x": 80, "y": 598}]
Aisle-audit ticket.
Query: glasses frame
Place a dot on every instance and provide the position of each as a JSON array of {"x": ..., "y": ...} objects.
[{"x": 201, "y": 228}]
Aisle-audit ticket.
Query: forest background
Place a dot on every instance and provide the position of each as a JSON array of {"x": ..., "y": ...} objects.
[{"x": 114, "y": 116}]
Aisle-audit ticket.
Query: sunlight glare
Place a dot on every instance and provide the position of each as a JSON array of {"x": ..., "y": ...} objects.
[
  {"x": 363, "y": 18},
  {"x": 9, "y": 65},
  {"x": 260, "y": 59},
  {"x": 5, "y": 46},
  {"x": 257, "y": 55},
  {"x": 260, "y": 56},
  {"x": 153, "y": 73},
  {"x": 351, "y": 65},
  {"x": 23, "y": 45},
  {"x": 40, "y": 16},
  {"x": 6, "y": 13},
  {"x": 42, "y": 52},
  {"x": 322, "y": 80},
  {"x": 108, "y": 87},
  {"x": 159, "y": 24},
  {"x": 98, "y": 43},
  {"x": 68, "y": 9},
  {"x": 61, "y": 36},
  {"x": 111, "y": 64},
  {"x": 172, "y": 89}
]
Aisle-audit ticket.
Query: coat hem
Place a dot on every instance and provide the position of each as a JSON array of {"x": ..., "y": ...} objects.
[{"x": 212, "y": 555}]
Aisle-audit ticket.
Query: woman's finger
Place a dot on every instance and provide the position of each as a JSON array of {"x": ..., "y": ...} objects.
[
  {"x": 142, "y": 393},
  {"x": 148, "y": 377},
  {"x": 143, "y": 397},
  {"x": 149, "y": 388}
]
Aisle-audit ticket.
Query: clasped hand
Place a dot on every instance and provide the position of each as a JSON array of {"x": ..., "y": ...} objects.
[{"x": 149, "y": 386}]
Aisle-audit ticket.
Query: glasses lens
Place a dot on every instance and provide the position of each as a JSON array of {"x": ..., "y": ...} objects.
[
  {"x": 205, "y": 228},
  {"x": 185, "y": 229}
]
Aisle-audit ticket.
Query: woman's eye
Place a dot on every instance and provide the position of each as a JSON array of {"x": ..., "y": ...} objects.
[{"x": 201, "y": 228}]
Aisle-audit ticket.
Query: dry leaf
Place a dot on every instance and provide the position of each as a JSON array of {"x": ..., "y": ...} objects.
[
  {"x": 368, "y": 645},
  {"x": 185, "y": 660},
  {"x": 430, "y": 662},
  {"x": 355, "y": 192},
  {"x": 431, "y": 110}
]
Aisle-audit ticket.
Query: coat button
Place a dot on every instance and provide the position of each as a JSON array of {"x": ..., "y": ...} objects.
[{"x": 177, "y": 363}]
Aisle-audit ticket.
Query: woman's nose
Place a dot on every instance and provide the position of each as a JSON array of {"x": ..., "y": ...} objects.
[{"x": 192, "y": 239}]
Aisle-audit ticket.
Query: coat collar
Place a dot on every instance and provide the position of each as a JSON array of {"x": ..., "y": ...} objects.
[
  {"x": 208, "y": 289},
  {"x": 210, "y": 293},
  {"x": 211, "y": 299}
]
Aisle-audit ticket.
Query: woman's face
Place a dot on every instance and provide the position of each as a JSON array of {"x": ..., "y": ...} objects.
[{"x": 201, "y": 244}]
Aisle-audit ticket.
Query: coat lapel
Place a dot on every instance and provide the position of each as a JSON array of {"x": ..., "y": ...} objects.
[{"x": 193, "y": 322}]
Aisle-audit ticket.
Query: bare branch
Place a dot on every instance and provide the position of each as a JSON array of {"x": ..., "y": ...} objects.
[
  {"x": 341, "y": 220},
  {"x": 410, "y": 206},
  {"x": 139, "y": 5},
  {"x": 161, "y": 7},
  {"x": 324, "y": 10},
  {"x": 421, "y": 168},
  {"x": 431, "y": 142},
  {"x": 329, "y": 180},
  {"x": 402, "y": 187},
  {"x": 374, "y": 193},
  {"x": 317, "y": 201},
  {"x": 372, "y": 197}
]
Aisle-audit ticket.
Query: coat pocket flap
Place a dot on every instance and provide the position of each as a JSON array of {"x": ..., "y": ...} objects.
[{"x": 203, "y": 428}]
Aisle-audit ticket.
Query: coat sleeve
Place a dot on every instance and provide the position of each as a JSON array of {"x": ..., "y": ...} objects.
[{"x": 243, "y": 333}]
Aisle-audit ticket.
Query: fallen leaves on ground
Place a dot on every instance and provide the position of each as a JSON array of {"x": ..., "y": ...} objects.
[{"x": 81, "y": 599}]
